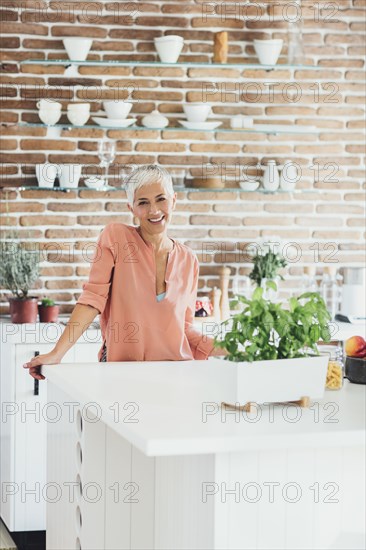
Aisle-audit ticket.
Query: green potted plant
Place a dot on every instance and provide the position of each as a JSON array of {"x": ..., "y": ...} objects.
[
  {"x": 272, "y": 348},
  {"x": 48, "y": 311},
  {"x": 19, "y": 270},
  {"x": 266, "y": 269}
]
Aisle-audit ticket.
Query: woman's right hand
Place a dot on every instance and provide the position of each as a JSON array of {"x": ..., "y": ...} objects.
[{"x": 46, "y": 359}]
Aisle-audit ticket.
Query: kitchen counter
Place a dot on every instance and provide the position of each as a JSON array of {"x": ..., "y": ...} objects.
[
  {"x": 168, "y": 468},
  {"x": 179, "y": 408}
]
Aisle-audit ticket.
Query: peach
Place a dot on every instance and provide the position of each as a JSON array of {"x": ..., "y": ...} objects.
[{"x": 355, "y": 347}]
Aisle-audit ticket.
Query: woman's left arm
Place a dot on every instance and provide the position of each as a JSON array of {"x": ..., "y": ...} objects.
[{"x": 202, "y": 346}]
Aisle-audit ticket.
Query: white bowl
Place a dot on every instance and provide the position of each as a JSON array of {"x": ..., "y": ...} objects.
[
  {"x": 94, "y": 183},
  {"x": 114, "y": 122},
  {"x": 117, "y": 108},
  {"x": 169, "y": 49},
  {"x": 247, "y": 185},
  {"x": 197, "y": 112},
  {"x": 77, "y": 48},
  {"x": 169, "y": 37},
  {"x": 268, "y": 51},
  {"x": 200, "y": 125},
  {"x": 78, "y": 118}
]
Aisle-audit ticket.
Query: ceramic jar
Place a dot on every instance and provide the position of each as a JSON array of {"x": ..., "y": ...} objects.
[
  {"x": 271, "y": 177},
  {"x": 155, "y": 120}
]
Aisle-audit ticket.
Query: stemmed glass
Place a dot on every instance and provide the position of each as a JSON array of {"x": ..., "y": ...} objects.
[{"x": 106, "y": 154}]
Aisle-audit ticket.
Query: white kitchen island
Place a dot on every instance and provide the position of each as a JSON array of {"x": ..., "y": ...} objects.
[{"x": 142, "y": 456}]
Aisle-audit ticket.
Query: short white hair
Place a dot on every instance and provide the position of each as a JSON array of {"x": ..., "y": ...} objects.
[{"x": 147, "y": 174}]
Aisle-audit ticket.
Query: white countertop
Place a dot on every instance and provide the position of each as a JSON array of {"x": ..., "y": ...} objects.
[
  {"x": 50, "y": 332},
  {"x": 170, "y": 397}
]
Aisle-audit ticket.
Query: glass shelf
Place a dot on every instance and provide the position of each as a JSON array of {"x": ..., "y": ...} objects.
[
  {"x": 176, "y": 188},
  {"x": 117, "y": 63},
  {"x": 256, "y": 129}
]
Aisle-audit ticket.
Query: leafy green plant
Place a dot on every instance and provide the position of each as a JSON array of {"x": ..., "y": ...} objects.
[
  {"x": 19, "y": 268},
  {"x": 266, "y": 266},
  {"x": 267, "y": 330},
  {"x": 47, "y": 302}
]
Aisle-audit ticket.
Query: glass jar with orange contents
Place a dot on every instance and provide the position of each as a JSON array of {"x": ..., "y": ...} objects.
[{"x": 335, "y": 373}]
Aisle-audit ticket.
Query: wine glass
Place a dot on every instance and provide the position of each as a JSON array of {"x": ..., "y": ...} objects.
[{"x": 106, "y": 154}]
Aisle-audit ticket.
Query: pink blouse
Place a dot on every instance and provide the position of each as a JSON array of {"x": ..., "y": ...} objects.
[{"x": 121, "y": 285}]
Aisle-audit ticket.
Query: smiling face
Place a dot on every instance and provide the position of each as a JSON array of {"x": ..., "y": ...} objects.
[{"x": 153, "y": 207}]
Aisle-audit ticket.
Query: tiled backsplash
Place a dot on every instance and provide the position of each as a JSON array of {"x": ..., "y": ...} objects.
[{"x": 327, "y": 216}]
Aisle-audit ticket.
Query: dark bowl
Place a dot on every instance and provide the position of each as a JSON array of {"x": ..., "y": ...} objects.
[{"x": 356, "y": 370}]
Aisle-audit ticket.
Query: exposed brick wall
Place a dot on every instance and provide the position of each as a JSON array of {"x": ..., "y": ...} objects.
[{"x": 332, "y": 99}]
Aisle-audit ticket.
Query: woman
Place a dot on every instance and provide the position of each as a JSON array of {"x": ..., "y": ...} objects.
[{"x": 142, "y": 283}]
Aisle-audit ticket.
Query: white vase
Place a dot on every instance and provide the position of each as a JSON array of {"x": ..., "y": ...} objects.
[
  {"x": 271, "y": 177},
  {"x": 289, "y": 176}
]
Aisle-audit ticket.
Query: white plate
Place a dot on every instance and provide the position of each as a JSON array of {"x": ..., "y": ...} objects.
[
  {"x": 200, "y": 125},
  {"x": 114, "y": 122},
  {"x": 247, "y": 185},
  {"x": 94, "y": 183},
  {"x": 288, "y": 128}
]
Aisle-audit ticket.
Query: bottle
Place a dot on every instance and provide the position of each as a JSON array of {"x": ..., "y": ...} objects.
[
  {"x": 331, "y": 290},
  {"x": 271, "y": 177},
  {"x": 295, "y": 48},
  {"x": 309, "y": 283}
]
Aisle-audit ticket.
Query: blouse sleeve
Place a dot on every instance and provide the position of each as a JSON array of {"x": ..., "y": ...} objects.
[
  {"x": 201, "y": 345},
  {"x": 96, "y": 289}
]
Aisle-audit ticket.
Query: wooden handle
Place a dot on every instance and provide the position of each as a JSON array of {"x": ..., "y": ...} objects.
[
  {"x": 215, "y": 300},
  {"x": 224, "y": 285},
  {"x": 220, "y": 47}
]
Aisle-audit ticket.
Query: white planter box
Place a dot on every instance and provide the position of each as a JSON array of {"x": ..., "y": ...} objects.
[{"x": 276, "y": 381}]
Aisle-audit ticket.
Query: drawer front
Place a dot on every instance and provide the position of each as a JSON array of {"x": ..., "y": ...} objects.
[{"x": 30, "y": 438}]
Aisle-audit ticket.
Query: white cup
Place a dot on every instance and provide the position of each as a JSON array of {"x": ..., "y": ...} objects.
[
  {"x": 49, "y": 111},
  {"x": 77, "y": 48},
  {"x": 47, "y": 104},
  {"x": 236, "y": 122},
  {"x": 169, "y": 48},
  {"x": 46, "y": 174},
  {"x": 78, "y": 113},
  {"x": 117, "y": 108},
  {"x": 247, "y": 122},
  {"x": 69, "y": 174},
  {"x": 268, "y": 51},
  {"x": 49, "y": 116},
  {"x": 196, "y": 112}
]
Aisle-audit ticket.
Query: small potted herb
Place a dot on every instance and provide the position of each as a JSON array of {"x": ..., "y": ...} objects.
[
  {"x": 48, "y": 311},
  {"x": 19, "y": 270},
  {"x": 272, "y": 348}
]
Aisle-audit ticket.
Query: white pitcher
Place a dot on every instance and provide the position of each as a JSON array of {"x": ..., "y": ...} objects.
[
  {"x": 46, "y": 174},
  {"x": 271, "y": 177}
]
